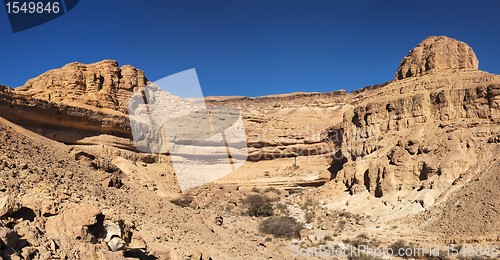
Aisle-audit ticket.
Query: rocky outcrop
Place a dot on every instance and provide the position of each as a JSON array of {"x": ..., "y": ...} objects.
[
  {"x": 421, "y": 132},
  {"x": 65, "y": 123},
  {"x": 102, "y": 84},
  {"x": 437, "y": 55}
]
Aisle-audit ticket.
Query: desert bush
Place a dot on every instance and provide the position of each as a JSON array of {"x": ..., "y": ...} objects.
[
  {"x": 295, "y": 191},
  {"x": 361, "y": 240},
  {"x": 309, "y": 216},
  {"x": 273, "y": 189},
  {"x": 346, "y": 214},
  {"x": 259, "y": 206},
  {"x": 255, "y": 189},
  {"x": 285, "y": 227},
  {"x": 282, "y": 209},
  {"x": 183, "y": 201},
  {"x": 342, "y": 224},
  {"x": 309, "y": 203},
  {"x": 329, "y": 237}
]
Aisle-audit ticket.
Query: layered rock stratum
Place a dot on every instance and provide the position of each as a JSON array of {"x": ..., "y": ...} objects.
[{"x": 415, "y": 158}]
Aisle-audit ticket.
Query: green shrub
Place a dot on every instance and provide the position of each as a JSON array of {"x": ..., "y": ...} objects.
[{"x": 285, "y": 227}]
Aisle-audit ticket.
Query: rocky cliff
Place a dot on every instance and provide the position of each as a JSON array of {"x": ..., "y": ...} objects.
[
  {"x": 438, "y": 55},
  {"x": 380, "y": 136},
  {"x": 417, "y": 139},
  {"x": 102, "y": 84}
]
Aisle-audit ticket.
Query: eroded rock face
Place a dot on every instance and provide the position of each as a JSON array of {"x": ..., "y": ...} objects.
[
  {"x": 102, "y": 84},
  {"x": 437, "y": 54},
  {"x": 424, "y": 133}
]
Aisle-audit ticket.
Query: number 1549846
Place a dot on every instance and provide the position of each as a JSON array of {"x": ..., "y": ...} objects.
[{"x": 32, "y": 7}]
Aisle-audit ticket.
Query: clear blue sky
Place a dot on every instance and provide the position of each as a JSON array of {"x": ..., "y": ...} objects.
[{"x": 251, "y": 47}]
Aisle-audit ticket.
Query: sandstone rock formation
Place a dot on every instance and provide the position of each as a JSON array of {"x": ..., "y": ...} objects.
[
  {"x": 388, "y": 141},
  {"x": 417, "y": 153},
  {"x": 437, "y": 55},
  {"x": 102, "y": 84}
]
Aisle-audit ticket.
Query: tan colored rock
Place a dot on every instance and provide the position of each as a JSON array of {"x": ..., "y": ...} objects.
[
  {"x": 435, "y": 55},
  {"x": 73, "y": 223},
  {"x": 7, "y": 205},
  {"x": 137, "y": 242},
  {"x": 427, "y": 201},
  {"x": 101, "y": 84},
  {"x": 399, "y": 156}
]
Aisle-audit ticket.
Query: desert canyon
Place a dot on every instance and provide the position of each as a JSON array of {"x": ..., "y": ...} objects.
[{"x": 414, "y": 160}]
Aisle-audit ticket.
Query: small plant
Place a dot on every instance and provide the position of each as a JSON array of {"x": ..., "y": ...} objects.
[
  {"x": 342, "y": 224},
  {"x": 309, "y": 203},
  {"x": 328, "y": 238},
  {"x": 255, "y": 189},
  {"x": 273, "y": 189},
  {"x": 309, "y": 216},
  {"x": 295, "y": 191},
  {"x": 285, "y": 227},
  {"x": 346, "y": 214},
  {"x": 282, "y": 209},
  {"x": 361, "y": 240},
  {"x": 183, "y": 201},
  {"x": 259, "y": 206}
]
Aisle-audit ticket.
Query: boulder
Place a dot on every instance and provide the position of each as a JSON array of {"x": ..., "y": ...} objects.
[
  {"x": 399, "y": 156},
  {"x": 75, "y": 223},
  {"x": 7, "y": 205}
]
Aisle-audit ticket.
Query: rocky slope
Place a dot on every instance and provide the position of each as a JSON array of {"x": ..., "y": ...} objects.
[{"x": 57, "y": 202}]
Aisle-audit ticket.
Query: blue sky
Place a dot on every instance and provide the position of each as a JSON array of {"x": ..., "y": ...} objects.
[{"x": 251, "y": 47}]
